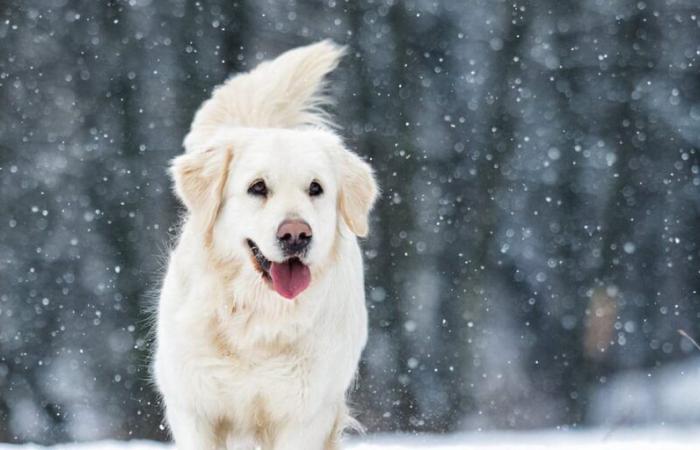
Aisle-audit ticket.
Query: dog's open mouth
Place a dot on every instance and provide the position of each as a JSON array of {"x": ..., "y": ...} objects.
[{"x": 288, "y": 278}]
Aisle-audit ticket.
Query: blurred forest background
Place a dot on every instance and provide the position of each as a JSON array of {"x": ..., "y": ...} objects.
[{"x": 533, "y": 256}]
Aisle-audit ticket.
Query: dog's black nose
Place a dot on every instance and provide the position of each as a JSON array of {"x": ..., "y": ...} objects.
[{"x": 294, "y": 236}]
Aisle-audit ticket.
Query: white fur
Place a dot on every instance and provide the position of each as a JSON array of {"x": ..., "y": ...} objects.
[
  {"x": 238, "y": 365},
  {"x": 284, "y": 93}
]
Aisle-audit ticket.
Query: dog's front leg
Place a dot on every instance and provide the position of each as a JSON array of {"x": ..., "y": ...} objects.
[
  {"x": 316, "y": 433},
  {"x": 190, "y": 431}
]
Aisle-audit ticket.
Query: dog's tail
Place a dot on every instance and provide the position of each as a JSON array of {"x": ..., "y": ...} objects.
[{"x": 286, "y": 92}]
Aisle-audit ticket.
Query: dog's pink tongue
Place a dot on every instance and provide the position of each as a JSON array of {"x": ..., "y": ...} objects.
[{"x": 290, "y": 278}]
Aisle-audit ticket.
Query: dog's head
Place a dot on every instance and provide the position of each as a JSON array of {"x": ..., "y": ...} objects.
[
  {"x": 268, "y": 185},
  {"x": 276, "y": 200}
]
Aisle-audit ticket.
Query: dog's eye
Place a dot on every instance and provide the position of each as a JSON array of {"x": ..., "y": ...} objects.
[
  {"x": 315, "y": 189},
  {"x": 258, "y": 188}
]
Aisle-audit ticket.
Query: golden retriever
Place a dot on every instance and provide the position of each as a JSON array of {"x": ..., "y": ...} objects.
[{"x": 261, "y": 317}]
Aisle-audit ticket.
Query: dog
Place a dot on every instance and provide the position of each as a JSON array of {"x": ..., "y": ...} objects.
[{"x": 261, "y": 317}]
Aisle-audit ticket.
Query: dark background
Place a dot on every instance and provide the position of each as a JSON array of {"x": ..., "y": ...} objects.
[{"x": 533, "y": 255}]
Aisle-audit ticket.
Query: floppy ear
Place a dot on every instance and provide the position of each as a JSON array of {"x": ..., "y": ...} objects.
[
  {"x": 358, "y": 192},
  {"x": 200, "y": 179}
]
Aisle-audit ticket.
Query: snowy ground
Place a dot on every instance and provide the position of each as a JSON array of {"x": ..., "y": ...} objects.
[{"x": 627, "y": 439}]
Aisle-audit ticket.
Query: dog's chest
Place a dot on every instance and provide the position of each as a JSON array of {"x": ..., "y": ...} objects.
[{"x": 269, "y": 379}]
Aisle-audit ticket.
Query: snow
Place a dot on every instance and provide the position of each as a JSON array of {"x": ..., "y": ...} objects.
[
  {"x": 658, "y": 438},
  {"x": 628, "y": 439},
  {"x": 533, "y": 259}
]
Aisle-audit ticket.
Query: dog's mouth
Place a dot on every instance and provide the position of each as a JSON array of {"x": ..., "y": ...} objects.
[{"x": 288, "y": 278}]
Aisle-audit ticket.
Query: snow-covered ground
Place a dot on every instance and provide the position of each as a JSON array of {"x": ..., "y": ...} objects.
[{"x": 622, "y": 439}]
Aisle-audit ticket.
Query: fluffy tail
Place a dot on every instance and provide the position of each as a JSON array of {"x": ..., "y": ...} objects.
[{"x": 285, "y": 92}]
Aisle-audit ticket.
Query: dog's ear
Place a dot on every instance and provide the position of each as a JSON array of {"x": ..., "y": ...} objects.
[
  {"x": 358, "y": 192},
  {"x": 200, "y": 179}
]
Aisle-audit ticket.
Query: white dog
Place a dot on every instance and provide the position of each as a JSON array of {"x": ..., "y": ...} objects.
[{"x": 262, "y": 318}]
